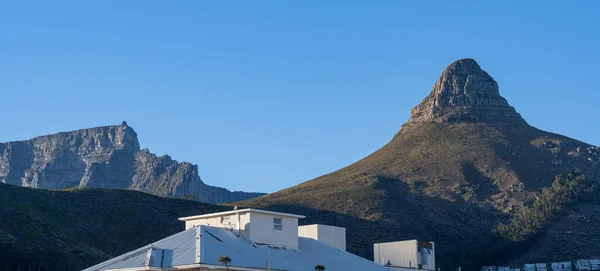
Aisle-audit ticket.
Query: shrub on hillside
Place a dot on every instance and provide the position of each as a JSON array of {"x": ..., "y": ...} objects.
[{"x": 564, "y": 192}]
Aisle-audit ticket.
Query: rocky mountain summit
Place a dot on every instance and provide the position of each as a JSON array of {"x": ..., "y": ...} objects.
[
  {"x": 104, "y": 157},
  {"x": 464, "y": 93}
]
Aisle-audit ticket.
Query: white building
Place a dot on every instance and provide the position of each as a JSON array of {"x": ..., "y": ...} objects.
[
  {"x": 258, "y": 226},
  {"x": 400, "y": 255},
  {"x": 253, "y": 239}
]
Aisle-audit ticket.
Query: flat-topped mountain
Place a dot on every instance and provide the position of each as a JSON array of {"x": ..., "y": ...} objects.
[
  {"x": 104, "y": 157},
  {"x": 464, "y": 163}
]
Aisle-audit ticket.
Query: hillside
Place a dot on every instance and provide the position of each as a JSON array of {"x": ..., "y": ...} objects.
[
  {"x": 463, "y": 163},
  {"x": 74, "y": 229},
  {"x": 466, "y": 171},
  {"x": 104, "y": 157}
]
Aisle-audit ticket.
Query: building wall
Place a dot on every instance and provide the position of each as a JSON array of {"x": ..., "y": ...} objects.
[
  {"x": 260, "y": 228},
  {"x": 333, "y": 236},
  {"x": 399, "y": 254},
  {"x": 309, "y": 231},
  {"x": 225, "y": 221},
  {"x": 255, "y": 227}
]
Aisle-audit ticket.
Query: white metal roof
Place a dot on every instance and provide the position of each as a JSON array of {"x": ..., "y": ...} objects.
[
  {"x": 249, "y": 210},
  {"x": 181, "y": 246},
  {"x": 202, "y": 246}
]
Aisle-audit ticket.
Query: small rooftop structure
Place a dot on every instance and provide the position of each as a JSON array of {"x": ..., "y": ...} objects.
[
  {"x": 331, "y": 235},
  {"x": 199, "y": 247},
  {"x": 412, "y": 254},
  {"x": 562, "y": 266},
  {"x": 587, "y": 264}
]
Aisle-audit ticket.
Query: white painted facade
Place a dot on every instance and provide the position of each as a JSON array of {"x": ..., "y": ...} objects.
[
  {"x": 258, "y": 226},
  {"x": 407, "y": 254},
  {"x": 331, "y": 235},
  {"x": 261, "y": 230}
]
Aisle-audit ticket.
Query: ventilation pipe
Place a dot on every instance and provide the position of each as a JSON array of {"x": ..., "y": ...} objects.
[{"x": 237, "y": 227}]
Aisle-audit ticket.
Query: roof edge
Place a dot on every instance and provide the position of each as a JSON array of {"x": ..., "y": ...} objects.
[
  {"x": 249, "y": 210},
  {"x": 331, "y": 226},
  {"x": 188, "y": 267},
  {"x": 109, "y": 262}
]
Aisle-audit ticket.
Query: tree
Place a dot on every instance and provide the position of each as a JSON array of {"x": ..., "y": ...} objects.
[
  {"x": 224, "y": 259},
  {"x": 319, "y": 267}
]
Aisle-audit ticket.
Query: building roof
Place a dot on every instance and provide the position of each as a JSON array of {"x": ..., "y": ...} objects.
[
  {"x": 201, "y": 246},
  {"x": 239, "y": 211},
  {"x": 181, "y": 246}
]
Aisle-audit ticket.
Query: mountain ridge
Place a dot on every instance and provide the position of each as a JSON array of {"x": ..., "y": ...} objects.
[{"x": 104, "y": 157}]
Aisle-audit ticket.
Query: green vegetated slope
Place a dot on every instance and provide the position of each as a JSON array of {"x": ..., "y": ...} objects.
[
  {"x": 464, "y": 163},
  {"x": 74, "y": 229},
  {"x": 448, "y": 183}
]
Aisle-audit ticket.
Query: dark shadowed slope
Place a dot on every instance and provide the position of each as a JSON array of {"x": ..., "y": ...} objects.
[
  {"x": 463, "y": 162},
  {"x": 73, "y": 229}
]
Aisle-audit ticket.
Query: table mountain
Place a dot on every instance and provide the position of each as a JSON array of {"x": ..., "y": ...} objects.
[
  {"x": 104, "y": 157},
  {"x": 465, "y": 162}
]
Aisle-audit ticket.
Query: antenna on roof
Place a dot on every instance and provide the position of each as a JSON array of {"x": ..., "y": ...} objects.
[{"x": 235, "y": 208}]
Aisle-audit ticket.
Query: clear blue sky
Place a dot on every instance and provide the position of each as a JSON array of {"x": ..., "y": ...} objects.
[{"x": 263, "y": 95}]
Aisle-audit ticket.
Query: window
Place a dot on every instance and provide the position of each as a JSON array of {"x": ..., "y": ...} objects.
[{"x": 277, "y": 223}]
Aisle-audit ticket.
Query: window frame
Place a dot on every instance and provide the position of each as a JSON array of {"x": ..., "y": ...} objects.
[{"x": 280, "y": 224}]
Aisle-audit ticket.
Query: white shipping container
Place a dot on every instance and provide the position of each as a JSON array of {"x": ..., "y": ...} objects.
[
  {"x": 561, "y": 266},
  {"x": 406, "y": 254},
  {"x": 583, "y": 265},
  {"x": 529, "y": 267}
]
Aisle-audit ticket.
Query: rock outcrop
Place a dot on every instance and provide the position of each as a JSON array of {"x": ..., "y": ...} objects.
[
  {"x": 464, "y": 93},
  {"x": 104, "y": 157}
]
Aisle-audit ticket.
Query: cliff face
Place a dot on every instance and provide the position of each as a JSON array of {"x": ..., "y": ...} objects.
[
  {"x": 464, "y": 93},
  {"x": 103, "y": 157}
]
